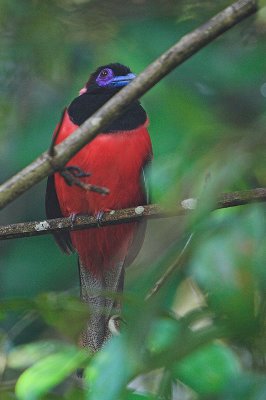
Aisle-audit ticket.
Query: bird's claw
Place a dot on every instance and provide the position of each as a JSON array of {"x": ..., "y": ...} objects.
[
  {"x": 99, "y": 218},
  {"x": 76, "y": 171},
  {"x": 99, "y": 215},
  {"x": 72, "y": 218},
  {"x": 71, "y": 173}
]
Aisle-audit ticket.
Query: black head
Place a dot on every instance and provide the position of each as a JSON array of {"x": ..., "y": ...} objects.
[
  {"x": 101, "y": 86},
  {"x": 108, "y": 78}
]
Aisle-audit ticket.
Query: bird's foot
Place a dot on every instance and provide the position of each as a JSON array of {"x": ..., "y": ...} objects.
[
  {"x": 73, "y": 217},
  {"x": 99, "y": 215},
  {"x": 76, "y": 171},
  {"x": 99, "y": 218},
  {"x": 72, "y": 173}
]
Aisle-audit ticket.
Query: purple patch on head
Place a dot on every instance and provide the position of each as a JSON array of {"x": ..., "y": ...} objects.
[{"x": 105, "y": 77}]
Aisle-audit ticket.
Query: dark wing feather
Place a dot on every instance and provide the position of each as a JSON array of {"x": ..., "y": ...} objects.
[
  {"x": 53, "y": 210},
  {"x": 141, "y": 230}
]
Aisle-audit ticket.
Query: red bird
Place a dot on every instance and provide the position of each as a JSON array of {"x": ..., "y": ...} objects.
[{"x": 116, "y": 159}]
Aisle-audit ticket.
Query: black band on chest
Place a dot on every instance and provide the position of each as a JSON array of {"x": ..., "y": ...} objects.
[{"x": 82, "y": 107}]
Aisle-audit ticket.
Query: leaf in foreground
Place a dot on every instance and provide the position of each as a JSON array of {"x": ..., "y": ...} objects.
[
  {"x": 47, "y": 373},
  {"x": 208, "y": 370}
]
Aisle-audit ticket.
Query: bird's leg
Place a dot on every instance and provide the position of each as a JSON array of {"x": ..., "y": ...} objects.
[
  {"x": 99, "y": 215},
  {"x": 72, "y": 218}
]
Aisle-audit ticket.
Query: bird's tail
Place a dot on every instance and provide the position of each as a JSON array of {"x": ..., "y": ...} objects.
[{"x": 102, "y": 308}]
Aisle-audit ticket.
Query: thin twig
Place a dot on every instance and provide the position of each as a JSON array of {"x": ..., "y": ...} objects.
[
  {"x": 127, "y": 215},
  {"x": 173, "y": 267},
  {"x": 181, "y": 51},
  {"x": 12, "y": 333}
]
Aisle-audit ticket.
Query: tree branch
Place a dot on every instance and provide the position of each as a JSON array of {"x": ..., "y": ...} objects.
[
  {"x": 49, "y": 162},
  {"x": 114, "y": 217}
]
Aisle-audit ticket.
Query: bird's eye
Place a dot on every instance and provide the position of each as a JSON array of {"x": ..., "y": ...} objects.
[
  {"x": 104, "y": 77},
  {"x": 104, "y": 73}
]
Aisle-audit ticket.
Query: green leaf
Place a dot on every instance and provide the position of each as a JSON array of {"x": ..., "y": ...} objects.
[
  {"x": 246, "y": 387},
  {"x": 25, "y": 355},
  {"x": 65, "y": 313},
  {"x": 138, "y": 396},
  {"x": 163, "y": 334},
  {"x": 6, "y": 395},
  {"x": 223, "y": 264},
  {"x": 208, "y": 370},
  {"x": 16, "y": 304},
  {"x": 75, "y": 393},
  {"x": 47, "y": 373},
  {"x": 109, "y": 371}
]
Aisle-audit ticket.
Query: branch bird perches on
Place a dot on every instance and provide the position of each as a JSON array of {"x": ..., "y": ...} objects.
[{"x": 152, "y": 211}]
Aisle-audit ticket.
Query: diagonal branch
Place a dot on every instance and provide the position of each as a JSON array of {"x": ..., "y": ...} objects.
[
  {"x": 171, "y": 269},
  {"x": 47, "y": 163},
  {"x": 114, "y": 217}
]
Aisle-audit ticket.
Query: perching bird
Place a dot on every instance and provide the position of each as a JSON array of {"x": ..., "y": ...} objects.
[{"x": 116, "y": 159}]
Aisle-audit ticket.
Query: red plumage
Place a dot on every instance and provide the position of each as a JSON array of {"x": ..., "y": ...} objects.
[{"x": 115, "y": 161}]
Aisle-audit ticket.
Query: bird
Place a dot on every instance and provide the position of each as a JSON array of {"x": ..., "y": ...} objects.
[{"x": 117, "y": 158}]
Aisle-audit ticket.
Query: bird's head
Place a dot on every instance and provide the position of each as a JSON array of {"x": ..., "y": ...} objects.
[
  {"x": 108, "y": 78},
  {"x": 104, "y": 83}
]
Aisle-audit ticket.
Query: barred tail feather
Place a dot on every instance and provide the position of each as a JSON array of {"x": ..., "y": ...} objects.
[{"x": 97, "y": 332}]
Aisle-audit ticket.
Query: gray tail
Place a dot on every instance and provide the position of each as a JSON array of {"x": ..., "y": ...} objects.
[{"x": 97, "y": 332}]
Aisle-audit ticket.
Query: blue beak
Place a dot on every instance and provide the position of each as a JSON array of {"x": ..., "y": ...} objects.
[{"x": 119, "y": 81}]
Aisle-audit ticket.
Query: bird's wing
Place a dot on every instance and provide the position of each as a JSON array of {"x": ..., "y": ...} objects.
[
  {"x": 141, "y": 229},
  {"x": 52, "y": 206},
  {"x": 53, "y": 210},
  {"x": 145, "y": 182}
]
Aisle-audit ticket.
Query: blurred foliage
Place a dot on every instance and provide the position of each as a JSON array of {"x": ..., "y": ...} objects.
[{"x": 203, "y": 336}]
